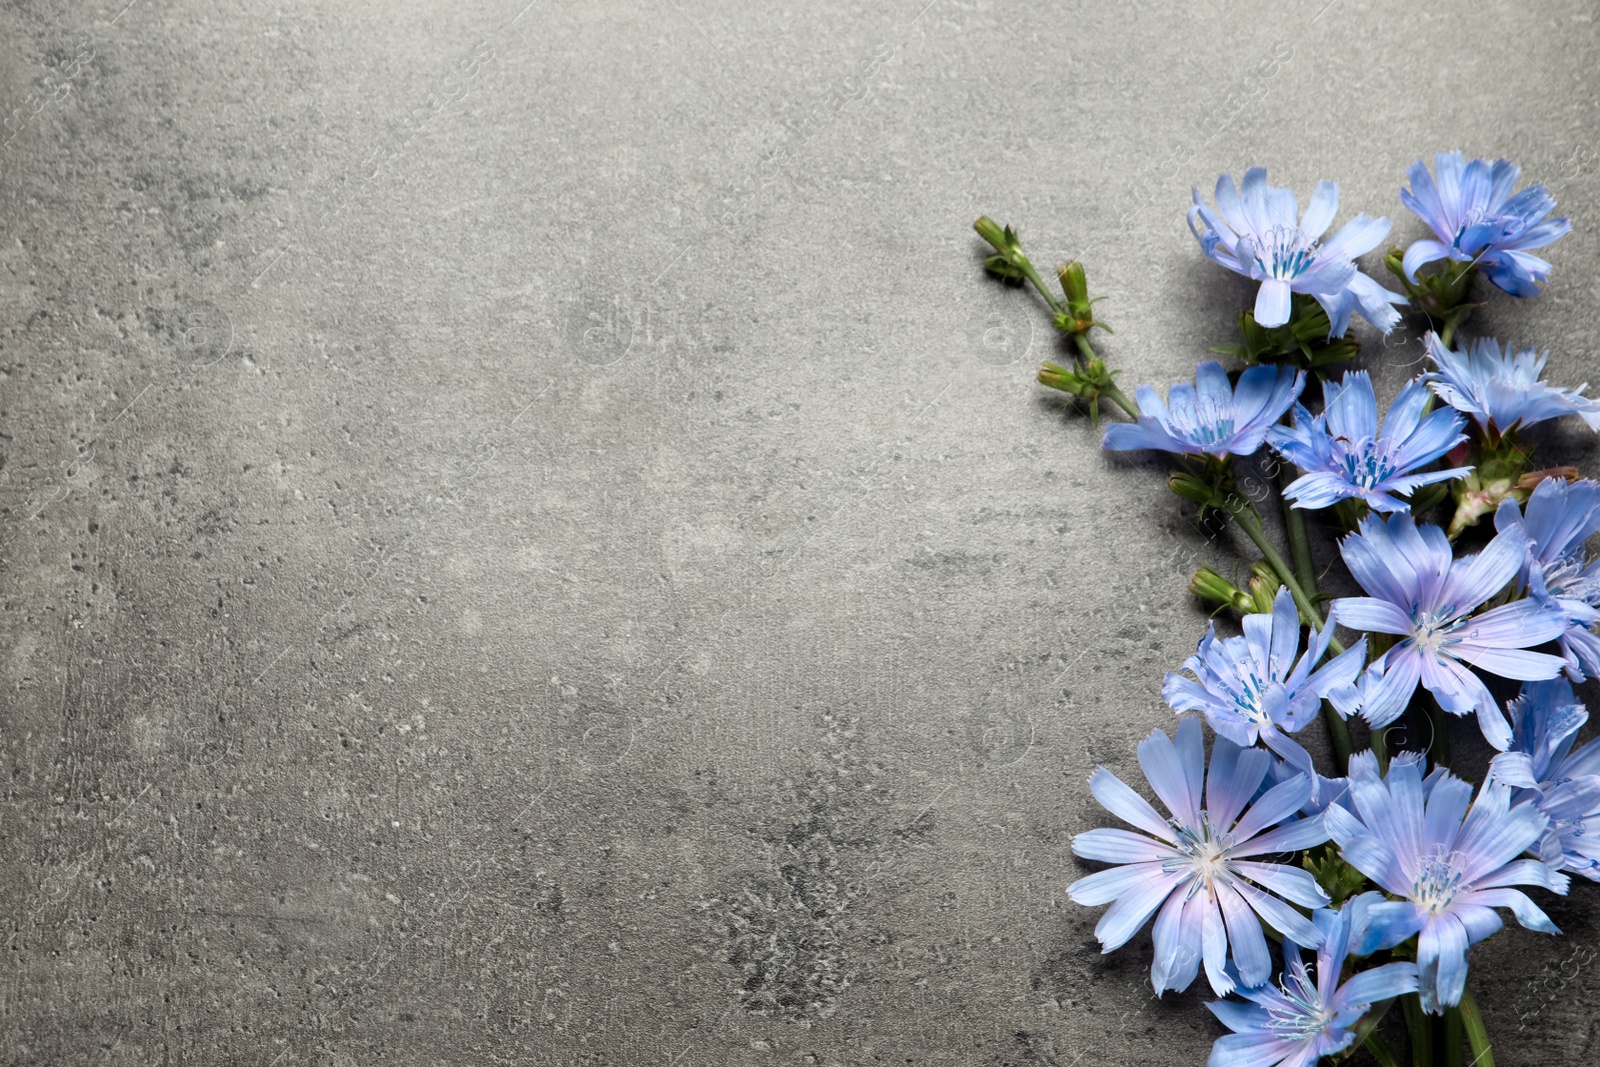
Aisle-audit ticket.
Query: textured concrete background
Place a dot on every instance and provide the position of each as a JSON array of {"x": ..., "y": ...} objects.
[{"x": 529, "y": 539}]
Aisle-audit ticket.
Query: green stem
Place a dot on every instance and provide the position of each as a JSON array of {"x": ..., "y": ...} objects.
[
  {"x": 1380, "y": 748},
  {"x": 1244, "y": 514},
  {"x": 1421, "y": 1030},
  {"x": 1380, "y": 1052},
  {"x": 1110, "y": 392},
  {"x": 1453, "y": 1038},
  {"x": 1367, "y": 1025},
  {"x": 1033, "y": 276},
  {"x": 1294, "y": 523},
  {"x": 1477, "y": 1033}
]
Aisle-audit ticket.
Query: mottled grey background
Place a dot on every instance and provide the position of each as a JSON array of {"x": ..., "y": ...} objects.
[{"x": 529, "y": 539}]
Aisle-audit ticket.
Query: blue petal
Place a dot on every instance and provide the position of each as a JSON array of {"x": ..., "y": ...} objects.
[
  {"x": 1324, "y": 205},
  {"x": 1441, "y": 963},
  {"x": 1240, "y": 1018},
  {"x": 1421, "y": 253},
  {"x": 1133, "y": 909},
  {"x": 1102, "y": 887},
  {"x": 1251, "y": 1050},
  {"x": 1379, "y": 983},
  {"x": 1292, "y": 883},
  {"x": 1384, "y": 923},
  {"x": 1527, "y": 913},
  {"x": 1176, "y": 771},
  {"x": 1248, "y": 943},
  {"x": 1272, "y": 303},
  {"x": 1274, "y": 806},
  {"x": 1232, "y": 780},
  {"x": 1371, "y": 614},
  {"x": 1177, "y": 945},
  {"x": 1116, "y": 797},
  {"x": 1111, "y": 845}
]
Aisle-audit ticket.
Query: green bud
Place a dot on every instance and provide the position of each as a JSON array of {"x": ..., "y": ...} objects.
[
  {"x": 1002, "y": 267},
  {"x": 1068, "y": 381},
  {"x": 1336, "y": 877},
  {"x": 1189, "y": 487},
  {"x": 1482, "y": 492},
  {"x": 1004, "y": 239},
  {"x": 1079, "y": 314},
  {"x": 1086, "y": 384},
  {"x": 1442, "y": 295},
  {"x": 1302, "y": 340},
  {"x": 1210, "y": 586},
  {"x": 1263, "y": 590},
  {"x": 1076, "y": 287}
]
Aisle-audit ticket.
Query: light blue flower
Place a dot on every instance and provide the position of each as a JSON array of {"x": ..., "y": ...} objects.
[
  {"x": 1559, "y": 519},
  {"x": 1259, "y": 233},
  {"x": 1309, "y": 1014},
  {"x": 1472, "y": 211},
  {"x": 1260, "y": 687},
  {"x": 1347, "y": 456},
  {"x": 1211, "y": 416},
  {"x": 1199, "y": 872},
  {"x": 1448, "y": 861},
  {"x": 1423, "y": 595},
  {"x": 1503, "y": 388},
  {"x": 1562, "y": 784}
]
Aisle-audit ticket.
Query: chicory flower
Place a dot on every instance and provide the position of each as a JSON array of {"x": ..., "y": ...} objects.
[
  {"x": 1200, "y": 872},
  {"x": 1471, "y": 210},
  {"x": 1448, "y": 860},
  {"x": 1260, "y": 687},
  {"x": 1258, "y": 232},
  {"x": 1421, "y": 593},
  {"x": 1503, "y": 389},
  {"x": 1212, "y": 416},
  {"x": 1310, "y": 1014},
  {"x": 1346, "y": 455}
]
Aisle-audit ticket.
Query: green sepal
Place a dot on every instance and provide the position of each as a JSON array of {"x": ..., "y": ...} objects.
[{"x": 1336, "y": 877}]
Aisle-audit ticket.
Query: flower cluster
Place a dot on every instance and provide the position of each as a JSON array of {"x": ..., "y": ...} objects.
[{"x": 1403, "y": 864}]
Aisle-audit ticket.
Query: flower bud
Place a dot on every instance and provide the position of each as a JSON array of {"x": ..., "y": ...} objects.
[
  {"x": 1078, "y": 317},
  {"x": 1212, "y": 587},
  {"x": 1189, "y": 487},
  {"x": 1004, "y": 239}
]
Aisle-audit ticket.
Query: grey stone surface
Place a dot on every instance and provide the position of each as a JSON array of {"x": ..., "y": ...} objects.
[{"x": 528, "y": 538}]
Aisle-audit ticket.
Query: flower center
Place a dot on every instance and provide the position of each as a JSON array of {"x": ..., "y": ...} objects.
[
  {"x": 1433, "y": 630},
  {"x": 1203, "y": 850},
  {"x": 1365, "y": 463},
  {"x": 1508, "y": 227},
  {"x": 1285, "y": 254},
  {"x": 1301, "y": 1014},
  {"x": 1202, "y": 422},
  {"x": 1565, "y": 578},
  {"x": 1439, "y": 880},
  {"x": 1247, "y": 701}
]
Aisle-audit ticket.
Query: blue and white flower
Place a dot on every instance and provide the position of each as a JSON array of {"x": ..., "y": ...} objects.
[
  {"x": 1563, "y": 785},
  {"x": 1448, "y": 861},
  {"x": 1419, "y": 592},
  {"x": 1260, "y": 687},
  {"x": 1199, "y": 872},
  {"x": 1258, "y": 232},
  {"x": 1476, "y": 218},
  {"x": 1503, "y": 389},
  {"x": 1212, "y": 416},
  {"x": 1560, "y": 517},
  {"x": 1309, "y": 1014},
  {"x": 1346, "y": 455}
]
